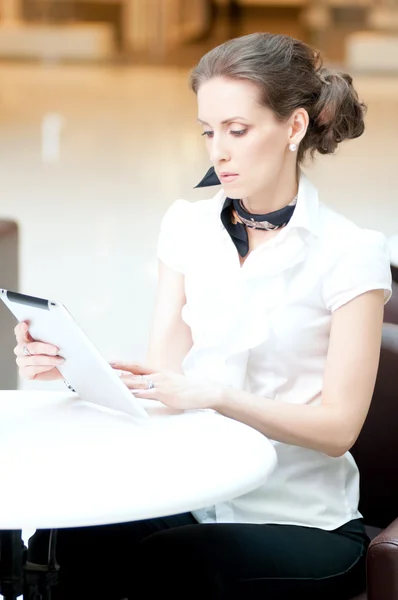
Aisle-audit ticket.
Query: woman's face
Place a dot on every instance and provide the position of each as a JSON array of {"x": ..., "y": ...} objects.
[{"x": 247, "y": 145}]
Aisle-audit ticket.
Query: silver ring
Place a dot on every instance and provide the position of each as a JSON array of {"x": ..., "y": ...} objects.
[
  {"x": 25, "y": 350},
  {"x": 150, "y": 384}
]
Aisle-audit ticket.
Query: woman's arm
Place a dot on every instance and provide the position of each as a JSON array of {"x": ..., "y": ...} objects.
[
  {"x": 170, "y": 338},
  {"x": 351, "y": 367}
]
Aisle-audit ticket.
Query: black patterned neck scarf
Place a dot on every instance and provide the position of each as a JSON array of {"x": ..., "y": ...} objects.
[{"x": 236, "y": 218}]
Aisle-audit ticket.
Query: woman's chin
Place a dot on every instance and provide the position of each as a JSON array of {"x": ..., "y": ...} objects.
[{"x": 235, "y": 192}]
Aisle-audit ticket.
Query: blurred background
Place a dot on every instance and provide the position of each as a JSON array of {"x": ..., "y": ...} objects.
[{"x": 98, "y": 136}]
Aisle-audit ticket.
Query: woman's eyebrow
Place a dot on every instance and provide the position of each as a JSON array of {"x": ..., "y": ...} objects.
[{"x": 225, "y": 121}]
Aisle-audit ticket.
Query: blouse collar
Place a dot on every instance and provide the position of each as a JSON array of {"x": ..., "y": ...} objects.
[{"x": 306, "y": 213}]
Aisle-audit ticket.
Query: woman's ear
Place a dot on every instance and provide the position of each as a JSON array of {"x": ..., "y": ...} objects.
[{"x": 298, "y": 126}]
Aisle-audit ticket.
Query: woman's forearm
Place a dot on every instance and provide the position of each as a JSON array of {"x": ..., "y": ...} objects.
[
  {"x": 315, "y": 427},
  {"x": 168, "y": 349}
]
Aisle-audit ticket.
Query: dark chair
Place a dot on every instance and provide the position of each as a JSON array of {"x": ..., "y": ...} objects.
[
  {"x": 376, "y": 454},
  {"x": 394, "y": 273}
]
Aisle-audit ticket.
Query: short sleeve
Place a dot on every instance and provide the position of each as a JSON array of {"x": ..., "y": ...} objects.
[
  {"x": 364, "y": 265},
  {"x": 173, "y": 240}
]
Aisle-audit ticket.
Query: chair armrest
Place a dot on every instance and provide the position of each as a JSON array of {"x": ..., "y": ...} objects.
[
  {"x": 382, "y": 565},
  {"x": 390, "y": 337}
]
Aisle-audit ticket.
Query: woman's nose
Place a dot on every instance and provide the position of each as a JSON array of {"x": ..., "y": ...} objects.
[{"x": 218, "y": 151}]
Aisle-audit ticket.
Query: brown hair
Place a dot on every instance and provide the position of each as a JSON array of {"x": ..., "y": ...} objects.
[{"x": 290, "y": 75}]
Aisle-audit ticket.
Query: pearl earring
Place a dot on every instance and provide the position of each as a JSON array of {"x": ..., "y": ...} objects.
[{"x": 293, "y": 147}]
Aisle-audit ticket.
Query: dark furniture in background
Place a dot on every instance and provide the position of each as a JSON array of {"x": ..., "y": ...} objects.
[{"x": 376, "y": 454}]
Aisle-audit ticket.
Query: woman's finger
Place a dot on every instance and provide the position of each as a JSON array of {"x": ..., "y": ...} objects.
[
  {"x": 32, "y": 372},
  {"x": 22, "y": 333},
  {"x": 134, "y": 368},
  {"x": 129, "y": 381},
  {"x": 152, "y": 394},
  {"x": 36, "y": 348},
  {"x": 134, "y": 381},
  {"x": 39, "y": 360}
]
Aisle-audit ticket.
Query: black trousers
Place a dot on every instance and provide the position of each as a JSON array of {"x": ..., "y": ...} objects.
[{"x": 175, "y": 555}]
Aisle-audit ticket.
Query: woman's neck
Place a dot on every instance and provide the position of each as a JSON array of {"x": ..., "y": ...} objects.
[{"x": 274, "y": 197}]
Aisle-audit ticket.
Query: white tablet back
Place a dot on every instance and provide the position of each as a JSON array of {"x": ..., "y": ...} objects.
[{"x": 85, "y": 369}]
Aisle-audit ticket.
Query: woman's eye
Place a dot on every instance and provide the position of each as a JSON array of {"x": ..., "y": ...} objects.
[
  {"x": 234, "y": 132},
  {"x": 239, "y": 132}
]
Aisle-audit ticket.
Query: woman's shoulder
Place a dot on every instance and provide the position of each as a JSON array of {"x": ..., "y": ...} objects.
[
  {"x": 354, "y": 259},
  {"x": 339, "y": 234},
  {"x": 182, "y": 210},
  {"x": 182, "y": 228}
]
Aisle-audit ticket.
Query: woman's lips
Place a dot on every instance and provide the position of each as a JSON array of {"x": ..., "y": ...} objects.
[{"x": 228, "y": 177}]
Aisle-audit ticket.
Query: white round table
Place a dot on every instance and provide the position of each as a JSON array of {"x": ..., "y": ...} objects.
[{"x": 67, "y": 463}]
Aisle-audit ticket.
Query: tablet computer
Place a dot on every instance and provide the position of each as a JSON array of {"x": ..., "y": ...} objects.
[{"x": 85, "y": 369}]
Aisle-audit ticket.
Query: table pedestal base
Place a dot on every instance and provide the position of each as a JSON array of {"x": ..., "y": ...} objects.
[
  {"x": 21, "y": 577},
  {"x": 12, "y": 559}
]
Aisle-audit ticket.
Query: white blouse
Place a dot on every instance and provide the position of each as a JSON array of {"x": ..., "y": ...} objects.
[{"x": 264, "y": 327}]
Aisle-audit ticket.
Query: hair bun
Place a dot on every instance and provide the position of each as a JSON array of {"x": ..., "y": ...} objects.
[{"x": 337, "y": 115}]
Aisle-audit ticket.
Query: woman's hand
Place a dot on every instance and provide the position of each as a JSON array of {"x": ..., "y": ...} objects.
[
  {"x": 172, "y": 389},
  {"x": 36, "y": 360}
]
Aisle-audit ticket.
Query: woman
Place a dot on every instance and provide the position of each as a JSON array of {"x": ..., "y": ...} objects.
[{"x": 269, "y": 311}]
